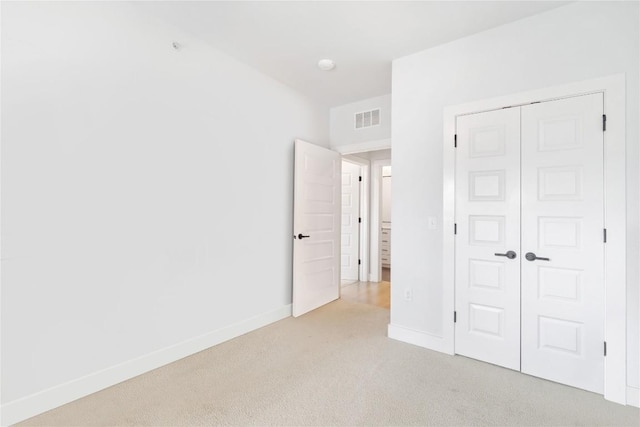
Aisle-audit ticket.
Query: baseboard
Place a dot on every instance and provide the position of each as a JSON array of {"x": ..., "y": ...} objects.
[
  {"x": 419, "y": 338},
  {"x": 29, "y": 406},
  {"x": 633, "y": 396}
]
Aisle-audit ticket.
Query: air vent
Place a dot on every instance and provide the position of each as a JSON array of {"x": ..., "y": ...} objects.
[{"x": 366, "y": 119}]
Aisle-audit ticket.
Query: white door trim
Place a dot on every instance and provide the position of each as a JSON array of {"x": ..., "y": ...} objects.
[{"x": 613, "y": 88}]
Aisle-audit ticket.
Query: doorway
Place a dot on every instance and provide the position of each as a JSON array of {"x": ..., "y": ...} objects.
[
  {"x": 371, "y": 171},
  {"x": 317, "y": 228}
]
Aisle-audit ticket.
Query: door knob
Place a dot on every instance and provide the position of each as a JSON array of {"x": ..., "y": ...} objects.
[
  {"x": 530, "y": 256},
  {"x": 509, "y": 254},
  {"x": 302, "y": 236}
]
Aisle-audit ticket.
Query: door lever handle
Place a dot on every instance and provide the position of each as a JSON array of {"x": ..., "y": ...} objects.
[
  {"x": 302, "y": 236},
  {"x": 509, "y": 254},
  {"x": 530, "y": 256}
]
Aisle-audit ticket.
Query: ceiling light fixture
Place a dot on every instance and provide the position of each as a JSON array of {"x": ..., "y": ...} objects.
[{"x": 326, "y": 64}]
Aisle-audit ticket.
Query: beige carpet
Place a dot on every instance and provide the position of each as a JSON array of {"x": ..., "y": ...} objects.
[{"x": 335, "y": 366}]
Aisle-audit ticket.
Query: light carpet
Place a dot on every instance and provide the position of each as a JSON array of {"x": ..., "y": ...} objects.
[{"x": 334, "y": 366}]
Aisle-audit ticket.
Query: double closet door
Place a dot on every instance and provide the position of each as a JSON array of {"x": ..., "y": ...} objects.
[{"x": 529, "y": 280}]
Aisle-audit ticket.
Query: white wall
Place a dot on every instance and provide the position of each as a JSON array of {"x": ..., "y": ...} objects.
[
  {"x": 146, "y": 192},
  {"x": 572, "y": 43},
  {"x": 343, "y": 131}
]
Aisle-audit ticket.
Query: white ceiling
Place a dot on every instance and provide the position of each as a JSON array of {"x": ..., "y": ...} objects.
[{"x": 286, "y": 39}]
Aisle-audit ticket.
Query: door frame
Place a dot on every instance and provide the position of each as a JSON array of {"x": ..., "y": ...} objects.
[
  {"x": 613, "y": 89},
  {"x": 371, "y": 238}
]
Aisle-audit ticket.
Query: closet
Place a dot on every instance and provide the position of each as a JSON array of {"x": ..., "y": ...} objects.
[{"x": 529, "y": 244}]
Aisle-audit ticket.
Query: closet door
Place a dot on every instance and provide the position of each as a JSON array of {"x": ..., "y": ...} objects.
[
  {"x": 487, "y": 283},
  {"x": 562, "y": 225}
]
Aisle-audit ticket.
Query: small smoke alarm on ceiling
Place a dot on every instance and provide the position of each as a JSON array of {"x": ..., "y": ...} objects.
[{"x": 326, "y": 64}]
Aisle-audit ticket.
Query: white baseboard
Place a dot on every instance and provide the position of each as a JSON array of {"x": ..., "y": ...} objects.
[
  {"x": 421, "y": 339},
  {"x": 29, "y": 406},
  {"x": 633, "y": 396}
]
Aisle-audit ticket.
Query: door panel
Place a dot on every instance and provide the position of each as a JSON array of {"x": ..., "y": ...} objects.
[
  {"x": 562, "y": 220},
  {"x": 350, "y": 226},
  {"x": 316, "y": 214},
  {"x": 488, "y": 223}
]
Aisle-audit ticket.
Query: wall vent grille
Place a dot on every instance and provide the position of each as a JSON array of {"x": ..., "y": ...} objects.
[{"x": 366, "y": 119}]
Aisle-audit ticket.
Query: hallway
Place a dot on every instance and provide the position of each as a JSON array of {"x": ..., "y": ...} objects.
[{"x": 372, "y": 293}]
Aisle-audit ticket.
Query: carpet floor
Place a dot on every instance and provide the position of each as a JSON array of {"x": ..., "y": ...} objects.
[{"x": 334, "y": 366}]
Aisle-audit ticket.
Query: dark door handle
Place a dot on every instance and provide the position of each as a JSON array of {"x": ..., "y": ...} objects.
[
  {"x": 302, "y": 236},
  {"x": 510, "y": 255},
  {"x": 530, "y": 256}
]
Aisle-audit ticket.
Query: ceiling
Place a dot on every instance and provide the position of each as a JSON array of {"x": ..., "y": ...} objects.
[{"x": 286, "y": 39}]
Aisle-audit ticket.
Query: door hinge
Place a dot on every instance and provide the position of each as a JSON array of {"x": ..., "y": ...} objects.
[
  {"x": 604, "y": 235},
  {"x": 359, "y": 220},
  {"x": 455, "y": 228},
  {"x": 359, "y": 179},
  {"x": 605, "y": 348},
  {"x": 604, "y": 122},
  {"x": 455, "y": 317},
  {"x": 359, "y": 262},
  {"x": 455, "y": 141}
]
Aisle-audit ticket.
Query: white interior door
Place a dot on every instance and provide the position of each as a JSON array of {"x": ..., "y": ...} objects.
[
  {"x": 531, "y": 180},
  {"x": 562, "y": 223},
  {"x": 350, "y": 248},
  {"x": 316, "y": 227},
  {"x": 487, "y": 282}
]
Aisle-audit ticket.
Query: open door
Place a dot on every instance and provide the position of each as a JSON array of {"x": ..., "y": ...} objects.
[
  {"x": 316, "y": 227},
  {"x": 350, "y": 238}
]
